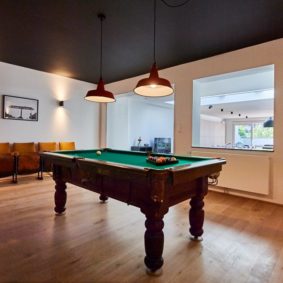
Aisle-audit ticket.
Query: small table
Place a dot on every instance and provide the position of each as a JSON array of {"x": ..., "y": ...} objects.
[{"x": 128, "y": 177}]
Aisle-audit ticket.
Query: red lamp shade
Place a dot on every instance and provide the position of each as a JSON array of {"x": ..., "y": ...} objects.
[
  {"x": 153, "y": 86},
  {"x": 100, "y": 94}
]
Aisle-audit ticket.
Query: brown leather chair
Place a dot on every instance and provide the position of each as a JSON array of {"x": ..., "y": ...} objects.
[
  {"x": 67, "y": 146},
  {"x": 7, "y": 161},
  {"x": 46, "y": 166},
  {"x": 27, "y": 159}
]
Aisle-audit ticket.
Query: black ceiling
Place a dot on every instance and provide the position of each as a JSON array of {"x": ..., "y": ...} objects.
[{"x": 63, "y": 36}]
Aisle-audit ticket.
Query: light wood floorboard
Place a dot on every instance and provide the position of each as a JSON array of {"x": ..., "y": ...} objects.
[{"x": 103, "y": 243}]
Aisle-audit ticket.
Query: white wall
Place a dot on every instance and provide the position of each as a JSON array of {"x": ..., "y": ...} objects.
[
  {"x": 77, "y": 121},
  {"x": 118, "y": 124},
  {"x": 212, "y": 133},
  {"x": 148, "y": 122},
  {"x": 247, "y": 58}
]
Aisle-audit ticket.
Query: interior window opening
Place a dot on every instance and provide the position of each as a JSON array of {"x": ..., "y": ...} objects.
[
  {"x": 141, "y": 123},
  {"x": 234, "y": 110}
]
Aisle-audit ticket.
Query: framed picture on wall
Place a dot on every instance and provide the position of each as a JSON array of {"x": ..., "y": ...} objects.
[{"x": 19, "y": 108}]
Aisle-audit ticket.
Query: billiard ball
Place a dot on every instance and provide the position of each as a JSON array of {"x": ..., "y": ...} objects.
[
  {"x": 98, "y": 152},
  {"x": 161, "y": 160}
]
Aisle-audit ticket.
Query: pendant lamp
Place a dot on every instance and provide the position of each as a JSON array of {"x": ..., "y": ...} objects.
[
  {"x": 268, "y": 123},
  {"x": 100, "y": 94},
  {"x": 154, "y": 86}
]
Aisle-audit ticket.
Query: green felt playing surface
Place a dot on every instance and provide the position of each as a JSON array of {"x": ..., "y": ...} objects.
[{"x": 129, "y": 158}]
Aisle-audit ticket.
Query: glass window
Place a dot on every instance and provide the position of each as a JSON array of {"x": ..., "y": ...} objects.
[
  {"x": 253, "y": 136},
  {"x": 243, "y": 136}
]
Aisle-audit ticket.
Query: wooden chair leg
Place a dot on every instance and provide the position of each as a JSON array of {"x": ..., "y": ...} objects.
[
  {"x": 40, "y": 169},
  {"x": 15, "y": 171}
]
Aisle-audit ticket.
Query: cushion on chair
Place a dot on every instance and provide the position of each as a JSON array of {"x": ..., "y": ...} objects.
[
  {"x": 6, "y": 165},
  {"x": 28, "y": 158},
  {"x": 28, "y": 163},
  {"x": 24, "y": 147},
  {"x": 67, "y": 146},
  {"x": 5, "y": 148},
  {"x": 6, "y": 160},
  {"x": 47, "y": 146}
]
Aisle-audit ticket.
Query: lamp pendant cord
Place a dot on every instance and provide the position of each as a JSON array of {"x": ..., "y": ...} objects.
[
  {"x": 154, "y": 30},
  {"x": 101, "y": 20},
  {"x": 154, "y": 20}
]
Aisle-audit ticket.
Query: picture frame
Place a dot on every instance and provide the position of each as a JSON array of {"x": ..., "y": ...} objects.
[{"x": 19, "y": 108}]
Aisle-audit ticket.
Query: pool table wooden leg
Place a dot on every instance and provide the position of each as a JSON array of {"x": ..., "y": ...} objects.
[
  {"x": 196, "y": 217},
  {"x": 60, "y": 196},
  {"x": 103, "y": 198},
  {"x": 154, "y": 242}
]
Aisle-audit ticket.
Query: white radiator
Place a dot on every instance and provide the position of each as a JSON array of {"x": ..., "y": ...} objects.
[{"x": 250, "y": 173}]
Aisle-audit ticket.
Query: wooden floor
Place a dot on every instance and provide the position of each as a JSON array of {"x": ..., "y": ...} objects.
[{"x": 94, "y": 242}]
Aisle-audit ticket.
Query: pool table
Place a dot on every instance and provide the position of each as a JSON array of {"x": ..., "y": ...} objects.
[{"x": 128, "y": 177}]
